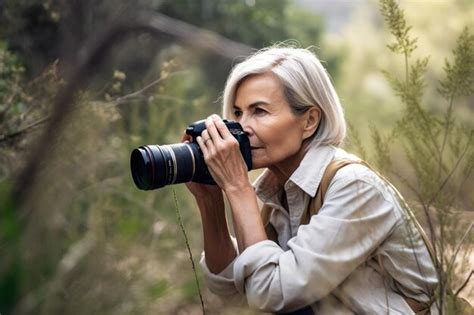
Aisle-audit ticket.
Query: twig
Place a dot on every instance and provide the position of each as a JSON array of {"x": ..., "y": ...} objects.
[
  {"x": 142, "y": 98},
  {"x": 445, "y": 137},
  {"x": 464, "y": 284},
  {"x": 93, "y": 53},
  {"x": 453, "y": 258},
  {"x": 17, "y": 133},
  {"x": 178, "y": 215},
  {"x": 9, "y": 102},
  {"x": 450, "y": 173},
  {"x": 152, "y": 84}
]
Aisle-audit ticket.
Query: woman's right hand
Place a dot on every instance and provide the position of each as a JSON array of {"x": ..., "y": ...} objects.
[
  {"x": 218, "y": 244},
  {"x": 201, "y": 191}
]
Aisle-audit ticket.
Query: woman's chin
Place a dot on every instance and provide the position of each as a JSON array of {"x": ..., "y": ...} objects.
[
  {"x": 259, "y": 159},
  {"x": 258, "y": 164}
]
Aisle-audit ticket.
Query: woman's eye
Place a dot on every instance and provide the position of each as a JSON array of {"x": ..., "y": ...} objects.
[
  {"x": 237, "y": 113},
  {"x": 260, "y": 111}
]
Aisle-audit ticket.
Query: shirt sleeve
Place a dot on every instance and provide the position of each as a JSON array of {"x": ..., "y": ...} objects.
[
  {"x": 357, "y": 216},
  {"x": 223, "y": 284}
]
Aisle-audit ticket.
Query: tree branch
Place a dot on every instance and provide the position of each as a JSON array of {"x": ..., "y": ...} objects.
[
  {"x": 152, "y": 84},
  {"x": 7, "y": 137},
  {"x": 464, "y": 284}
]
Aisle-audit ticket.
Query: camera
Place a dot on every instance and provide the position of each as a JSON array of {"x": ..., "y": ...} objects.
[{"x": 155, "y": 166}]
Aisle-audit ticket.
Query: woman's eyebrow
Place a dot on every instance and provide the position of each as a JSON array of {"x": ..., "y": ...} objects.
[{"x": 258, "y": 103}]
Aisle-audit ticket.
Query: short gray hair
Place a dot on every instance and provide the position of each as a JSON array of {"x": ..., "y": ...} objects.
[{"x": 306, "y": 83}]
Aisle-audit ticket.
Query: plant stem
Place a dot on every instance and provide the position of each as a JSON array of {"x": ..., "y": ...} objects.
[
  {"x": 453, "y": 258},
  {"x": 464, "y": 284},
  {"x": 445, "y": 137},
  {"x": 178, "y": 215}
]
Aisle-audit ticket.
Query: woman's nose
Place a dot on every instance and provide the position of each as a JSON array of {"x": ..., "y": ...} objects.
[{"x": 246, "y": 126}]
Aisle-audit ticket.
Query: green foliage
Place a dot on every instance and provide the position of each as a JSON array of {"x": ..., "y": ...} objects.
[
  {"x": 382, "y": 147},
  {"x": 10, "y": 265},
  {"x": 459, "y": 79},
  {"x": 158, "y": 289},
  {"x": 88, "y": 241},
  {"x": 258, "y": 24},
  {"x": 31, "y": 29},
  {"x": 11, "y": 100},
  {"x": 395, "y": 19},
  {"x": 439, "y": 150},
  {"x": 357, "y": 143}
]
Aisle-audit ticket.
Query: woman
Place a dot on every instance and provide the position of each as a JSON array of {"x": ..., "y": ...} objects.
[{"x": 359, "y": 254}]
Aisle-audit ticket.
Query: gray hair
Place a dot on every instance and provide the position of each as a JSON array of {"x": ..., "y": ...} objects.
[{"x": 305, "y": 81}]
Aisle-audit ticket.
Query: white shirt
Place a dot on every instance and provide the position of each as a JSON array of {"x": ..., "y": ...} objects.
[{"x": 332, "y": 263}]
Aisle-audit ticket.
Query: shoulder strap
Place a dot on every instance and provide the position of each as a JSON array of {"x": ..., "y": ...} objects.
[
  {"x": 335, "y": 165},
  {"x": 316, "y": 203}
]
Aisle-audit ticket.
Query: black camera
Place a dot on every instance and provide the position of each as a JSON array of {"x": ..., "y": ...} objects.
[{"x": 155, "y": 166}]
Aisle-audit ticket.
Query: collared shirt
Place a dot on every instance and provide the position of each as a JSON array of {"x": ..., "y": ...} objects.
[{"x": 359, "y": 254}]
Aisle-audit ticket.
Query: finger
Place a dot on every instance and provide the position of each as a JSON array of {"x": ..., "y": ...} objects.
[
  {"x": 186, "y": 137},
  {"x": 203, "y": 147},
  {"x": 207, "y": 142},
  {"x": 205, "y": 135},
  {"x": 212, "y": 130},
  {"x": 222, "y": 128}
]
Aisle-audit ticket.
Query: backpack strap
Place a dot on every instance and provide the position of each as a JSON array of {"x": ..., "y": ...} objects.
[{"x": 316, "y": 203}]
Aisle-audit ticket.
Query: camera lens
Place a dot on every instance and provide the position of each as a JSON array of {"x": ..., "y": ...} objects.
[{"x": 155, "y": 166}]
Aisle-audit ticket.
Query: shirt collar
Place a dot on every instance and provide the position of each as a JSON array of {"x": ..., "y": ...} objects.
[{"x": 307, "y": 176}]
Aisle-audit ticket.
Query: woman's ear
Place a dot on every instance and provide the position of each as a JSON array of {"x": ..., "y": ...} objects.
[{"x": 312, "y": 119}]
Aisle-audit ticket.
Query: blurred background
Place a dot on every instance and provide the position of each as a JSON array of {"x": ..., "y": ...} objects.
[{"x": 80, "y": 238}]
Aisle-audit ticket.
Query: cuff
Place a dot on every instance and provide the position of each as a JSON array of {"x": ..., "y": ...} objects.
[
  {"x": 253, "y": 258},
  {"x": 223, "y": 282}
]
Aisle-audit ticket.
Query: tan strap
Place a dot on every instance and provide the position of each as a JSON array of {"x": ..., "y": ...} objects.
[{"x": 317, "y": 202}]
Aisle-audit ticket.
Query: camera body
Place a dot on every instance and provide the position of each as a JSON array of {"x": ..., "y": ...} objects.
[
  {"x": 195, "y": 130},
  {"x": 155, "y": 166}
]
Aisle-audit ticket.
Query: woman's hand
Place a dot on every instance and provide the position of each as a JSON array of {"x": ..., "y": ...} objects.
[
  {"x": 201, "y": 191},
  {"x": 222, "y": 155},
  {"x": 218, "y": 245}
]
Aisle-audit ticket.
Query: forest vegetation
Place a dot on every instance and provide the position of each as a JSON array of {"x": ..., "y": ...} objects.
[{"x": 77, "y": 237}]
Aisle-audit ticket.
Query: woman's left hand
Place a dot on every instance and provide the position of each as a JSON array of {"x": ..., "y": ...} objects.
[{"x": 222, "y": 155}]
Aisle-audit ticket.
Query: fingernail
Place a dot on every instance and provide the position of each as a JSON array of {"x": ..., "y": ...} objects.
[{"x": 215, "y": 117}]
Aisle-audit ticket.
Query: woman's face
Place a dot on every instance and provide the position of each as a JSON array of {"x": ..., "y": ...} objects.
[{"x": 275, "y": 133}]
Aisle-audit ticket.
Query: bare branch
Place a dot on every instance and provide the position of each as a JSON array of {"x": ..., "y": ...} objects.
[
  {"x": 7, "y": 137},
  {"x": 464, "y": 284},
  {"x": 93, "y": 54},
  {"x": 458, "y": 247},
  {"x": 448, "y": 177},
  {"x": 143, "y": 98},
  {"x": 152, "y": 84}
]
